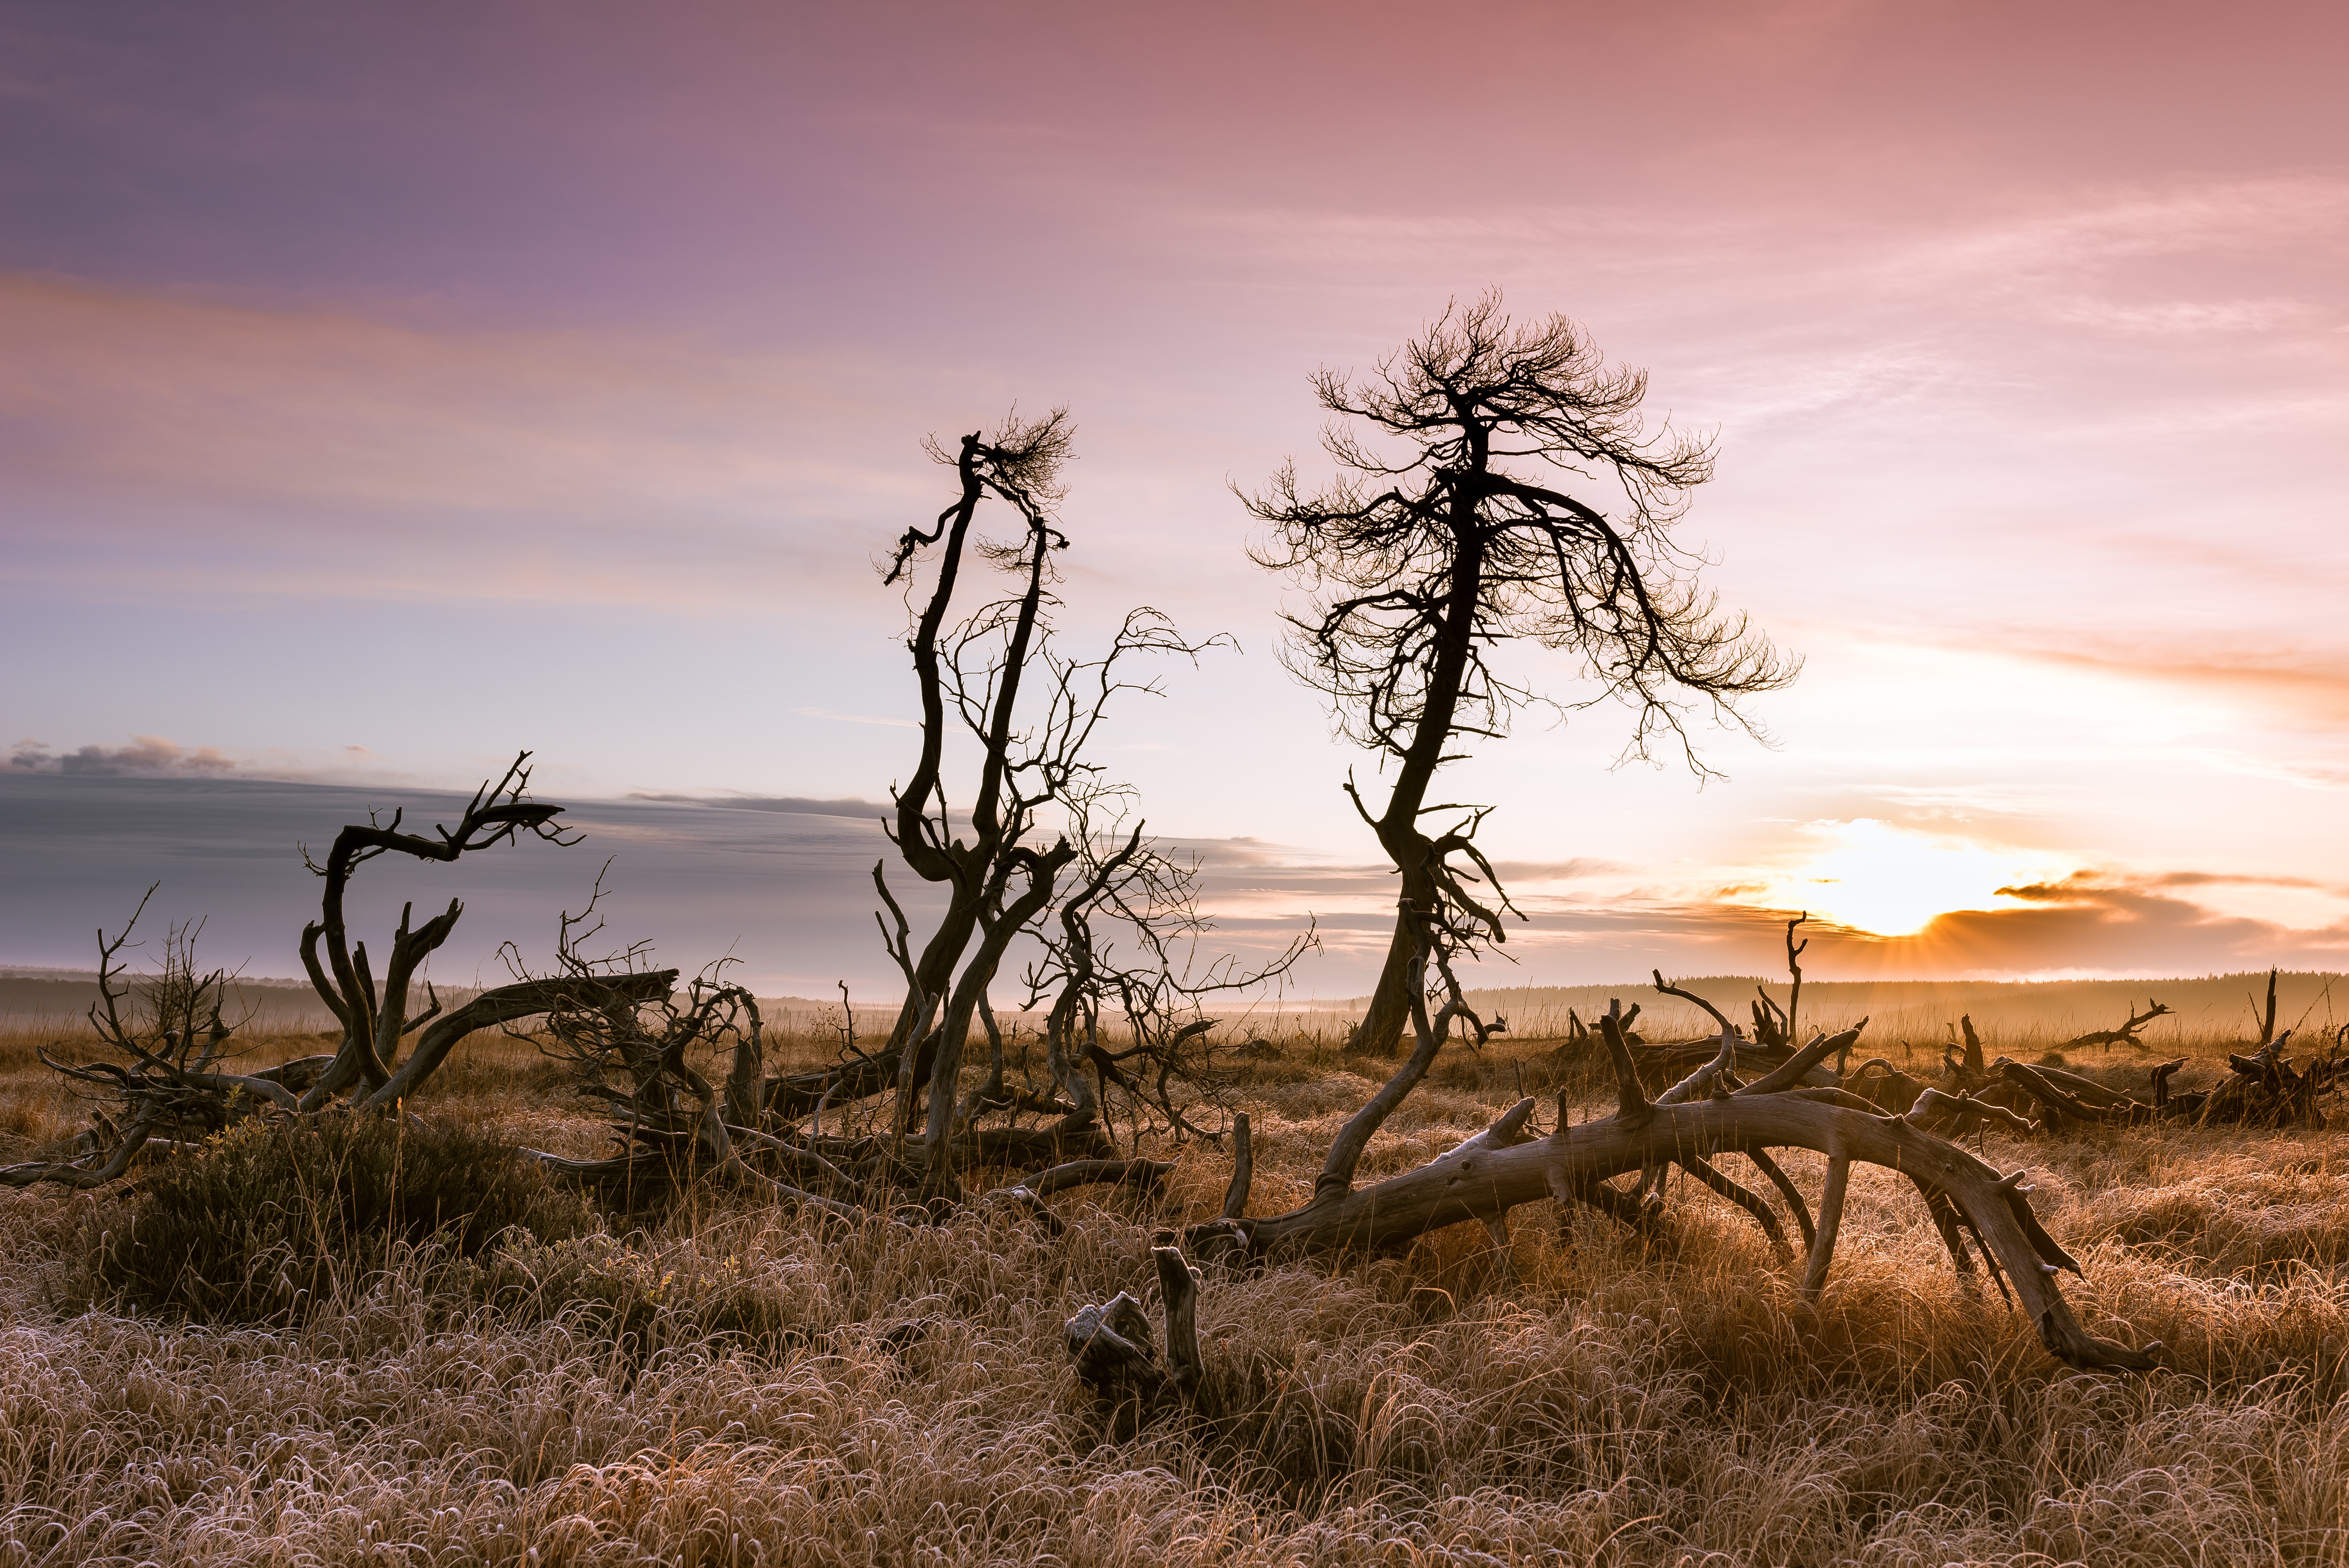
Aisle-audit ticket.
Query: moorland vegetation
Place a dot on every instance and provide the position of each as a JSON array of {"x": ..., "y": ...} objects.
[{"x": 605, "y": 1264}]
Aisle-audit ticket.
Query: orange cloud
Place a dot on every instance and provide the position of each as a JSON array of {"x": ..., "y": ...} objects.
[{"x": 2090, "y": 922}]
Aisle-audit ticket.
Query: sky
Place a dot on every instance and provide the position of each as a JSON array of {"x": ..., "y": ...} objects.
[{"x": 383, "y": 390}]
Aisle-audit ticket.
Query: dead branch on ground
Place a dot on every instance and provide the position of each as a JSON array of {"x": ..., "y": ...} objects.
[
  {"x": 1690, "y": 1125},
  {"x": 2126, "y": 1035}
]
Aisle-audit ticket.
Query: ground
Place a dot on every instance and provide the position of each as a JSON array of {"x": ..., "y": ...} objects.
[{"x": 736, "y": 1385}]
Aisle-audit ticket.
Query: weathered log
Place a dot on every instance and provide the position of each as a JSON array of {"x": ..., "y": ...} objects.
[
  {"x": 1660, "y": 1063},
  {"x": 1815, "y": 1270},
  {"x": 1884, "y": 1086},
  {"x": 2065, "y": 1097},
  {"x": 2126, "y": 1035},
  {"x": 1099, "y": 1173},
  {"x": 1500, "y": 1168},
  {"x": 1111, "y": 1346},
  {"x": 1235, "y": 1196},
  {"x": 1110, "y": 1343},
  {"x": 1179, "y": 1290},
  {"x": 795, "y": 1095},
  {"x": 506, "y": 1005},
  {"x": 1056, "y": 1145},
  {"x": 1935, "y": 1110},
  {"x": 298, "y": 1074}
]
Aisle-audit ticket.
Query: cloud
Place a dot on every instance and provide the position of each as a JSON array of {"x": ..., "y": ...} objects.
[
  {"x": 2222, "y": 879},
  {"x": 2091, "y": 922},
  {"x": 2310, "y": 683},
  {"x": 564, "y": 467},
  {"x": 797, "y": 805},
  {"x": 1578, "y": 869},
  {"x": 859, "y": 718},
  {"x": 147, "y": 757},
  {"x": 157, "y": 757}
]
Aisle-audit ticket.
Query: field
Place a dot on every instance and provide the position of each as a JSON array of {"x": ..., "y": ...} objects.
[{"x": 727, "y": 1383}]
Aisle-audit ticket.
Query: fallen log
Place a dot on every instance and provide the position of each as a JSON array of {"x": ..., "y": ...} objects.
[{"x": 1506, "y": 1166}]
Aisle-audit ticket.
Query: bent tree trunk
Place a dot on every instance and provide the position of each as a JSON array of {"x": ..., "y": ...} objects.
[{"x": 1496, "y": 1170}]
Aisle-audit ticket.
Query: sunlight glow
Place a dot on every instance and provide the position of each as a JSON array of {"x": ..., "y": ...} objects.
[{"x": 1878, "y": 878}]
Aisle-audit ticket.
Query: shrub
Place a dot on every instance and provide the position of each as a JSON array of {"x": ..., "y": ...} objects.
[
  {"x": 272, "y": 1218},
  {"x": 640, "y": 1293}
]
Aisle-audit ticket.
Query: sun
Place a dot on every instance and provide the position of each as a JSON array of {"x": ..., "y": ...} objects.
[{"x": 1889, "y": 882}]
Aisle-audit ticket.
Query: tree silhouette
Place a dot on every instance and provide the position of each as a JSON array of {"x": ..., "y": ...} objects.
[{"x": 1422, "y": 562}]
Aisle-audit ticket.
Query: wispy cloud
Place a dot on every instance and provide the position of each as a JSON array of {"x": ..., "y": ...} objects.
[
  {"x": 796, "y": 805},
  {"x": 856, "y": 718},
  {"x": 314, "y": 451},
  {"x": 2313, "y": 682}
]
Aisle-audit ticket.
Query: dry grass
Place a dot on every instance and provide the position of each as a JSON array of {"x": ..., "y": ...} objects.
[{"x": 734, "y": 1387}]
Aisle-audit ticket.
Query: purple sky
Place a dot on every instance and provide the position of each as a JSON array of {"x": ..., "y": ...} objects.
[{"x": 436, "y": 380}]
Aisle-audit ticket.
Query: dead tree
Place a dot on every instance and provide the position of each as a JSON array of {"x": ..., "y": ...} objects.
[
  {"x": 992, "y": 677},
  {"x": 1665, "y": 1062},
  {"x": 1046, "y": 765},
  {"x": 1774, "y": 1025},
  {"x": 673, "y": 1124},
  {"x": 1422, "y": 563},
  {"x": 2268, "y": 1089},
  {"x": 165, "y": 1084},
  {"x": 368, "y": 1072},
  {"x": 2268, "y": 1020},
  {"x": 1018, "y": 464},
  {"x": 2126, "y": 1035},
  {"x": 1164, "y": 1066},
  {"x": 680, "y": 1073},
  {"x": 171, "y": 1081},
  {"x": 1691, "y": 1125},
  {"x": 1002, "y": 873}
]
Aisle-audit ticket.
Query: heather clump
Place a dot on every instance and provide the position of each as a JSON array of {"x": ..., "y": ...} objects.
[{"x": 270, "y": 1221}]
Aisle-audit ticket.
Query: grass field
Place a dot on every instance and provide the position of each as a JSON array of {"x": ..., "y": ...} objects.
[{"x": 768, "y": 1393}]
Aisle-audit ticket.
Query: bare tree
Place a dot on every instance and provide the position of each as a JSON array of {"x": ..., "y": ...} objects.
[
  {"x": 992, "y": 685},
  {"x": 163, "y": 1084},
  {"x": 1157, "y": 1051},
  {"x": 1423, "y": 561},
  {"x": 641, "y": 1053},
  {"x": 977, "y": 669},
  {"x": 167, "y": 1080},
  {"x": 1019, "y": 464},
  {"x": 1774, "y": 1024},
  {"x": 368, "y": 1070}
]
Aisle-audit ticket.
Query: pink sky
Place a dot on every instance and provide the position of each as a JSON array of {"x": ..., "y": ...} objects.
[{"x": 439, "y": 380}]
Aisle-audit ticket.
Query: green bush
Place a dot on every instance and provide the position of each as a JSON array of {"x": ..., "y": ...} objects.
[{"x": 273, "y": 1219}]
